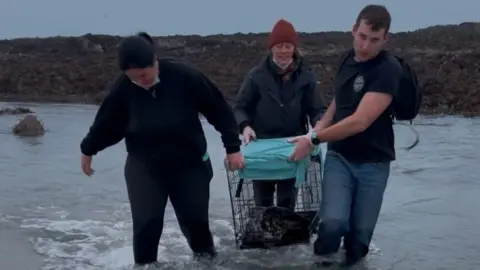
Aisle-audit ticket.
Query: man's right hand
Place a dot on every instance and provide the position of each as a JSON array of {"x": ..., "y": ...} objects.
[
  {"x": 86, "y": 163},
  {"x": 248, "y": 135}
]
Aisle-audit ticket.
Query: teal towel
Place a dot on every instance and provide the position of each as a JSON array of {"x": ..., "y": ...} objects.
[{"x": 267, "y": 159}]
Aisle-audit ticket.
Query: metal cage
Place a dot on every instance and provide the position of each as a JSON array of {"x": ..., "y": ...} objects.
[{"x": 244, "y": 209}]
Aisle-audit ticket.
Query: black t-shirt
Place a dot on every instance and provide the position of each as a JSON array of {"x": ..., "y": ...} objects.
[{"x": 353, "y": 80}]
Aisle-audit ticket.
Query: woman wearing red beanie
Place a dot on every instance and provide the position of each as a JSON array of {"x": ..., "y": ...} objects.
[{"x": 274, "y": 101}]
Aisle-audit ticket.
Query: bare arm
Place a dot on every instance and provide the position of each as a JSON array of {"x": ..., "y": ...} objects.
[
  {"x": 369, "y": 109},
  {"x": 375, "y": 101}
]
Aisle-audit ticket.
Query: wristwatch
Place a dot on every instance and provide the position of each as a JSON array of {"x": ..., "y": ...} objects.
[{"x": 314, "y": 138}]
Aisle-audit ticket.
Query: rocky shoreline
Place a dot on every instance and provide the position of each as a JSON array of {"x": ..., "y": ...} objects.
[{"x": 79, "y": 69}]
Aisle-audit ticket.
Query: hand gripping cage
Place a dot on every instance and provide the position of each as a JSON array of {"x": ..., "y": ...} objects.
[{"x": 261, "y": 227}]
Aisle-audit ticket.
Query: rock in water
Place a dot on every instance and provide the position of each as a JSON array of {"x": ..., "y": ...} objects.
[
  {"x": 14, "y": 111},
  {"x": 29, "y": 126}
]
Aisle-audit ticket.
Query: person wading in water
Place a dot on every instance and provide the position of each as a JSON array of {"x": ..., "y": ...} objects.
[
  {"x": 154, "y": 105},
  {"x": 358, "y": 129},
  {"x": 278, "y": 99}
]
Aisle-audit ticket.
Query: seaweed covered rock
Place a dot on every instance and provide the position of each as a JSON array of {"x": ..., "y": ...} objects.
[
  {"x": 14, "y": 111},
  {"x": 79, "y": 69},
  {"x": 29, "y": 126}
]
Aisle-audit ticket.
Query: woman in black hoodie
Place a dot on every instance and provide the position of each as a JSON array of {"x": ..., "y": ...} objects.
[
  {"x": 278, "y": 99},
  {"x": 154, "y": 105}
]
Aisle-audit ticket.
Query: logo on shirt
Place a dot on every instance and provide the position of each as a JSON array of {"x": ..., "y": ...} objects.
[{"x": 358, "y": 83}]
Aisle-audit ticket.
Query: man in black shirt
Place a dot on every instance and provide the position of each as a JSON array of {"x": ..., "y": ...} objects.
[
  {"x": 359, "y": 132},
  {"x": 155, "y": 104}
]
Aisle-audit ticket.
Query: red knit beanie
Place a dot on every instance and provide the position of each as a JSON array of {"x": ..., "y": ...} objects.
[{"x": 282, "y": 32}]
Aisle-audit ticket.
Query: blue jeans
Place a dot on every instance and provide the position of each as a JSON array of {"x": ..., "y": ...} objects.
[{"x": 352, "y": 196}]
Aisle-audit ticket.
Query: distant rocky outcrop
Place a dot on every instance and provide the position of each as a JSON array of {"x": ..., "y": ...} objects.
[
  {"x": 14, "y": 111},
  {"x": 29, "y": 126},
  {"x": 79, "y": 69}
]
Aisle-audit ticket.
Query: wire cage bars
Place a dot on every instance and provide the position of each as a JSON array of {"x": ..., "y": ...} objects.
[{"x": 259, "y": 227}]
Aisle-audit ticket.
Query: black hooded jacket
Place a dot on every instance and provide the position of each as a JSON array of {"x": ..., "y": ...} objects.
[
  {"x": 276, "y": 107},
  {"x": 162, "y": 124}
]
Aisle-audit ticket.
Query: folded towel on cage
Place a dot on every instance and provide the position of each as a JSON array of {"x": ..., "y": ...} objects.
[{"x": 267, "y": 159}]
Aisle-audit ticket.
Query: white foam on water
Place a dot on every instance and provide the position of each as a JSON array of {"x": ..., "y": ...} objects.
[
  {"x": 90, "y": 244},
  {"x": 71, "y": 244},
  {"x": 93, "y": 244}
]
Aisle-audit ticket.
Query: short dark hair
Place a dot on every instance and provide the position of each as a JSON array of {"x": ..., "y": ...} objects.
[
  {"x": 135, "y": 52},
  {"x": 145, "y": 36},
  {"x": 376, "y": 16}
]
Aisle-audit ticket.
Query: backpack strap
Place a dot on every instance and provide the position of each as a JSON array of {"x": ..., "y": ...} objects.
[
  {"x": 398, "y": 61},
  {"x": 343, "y": 59}
]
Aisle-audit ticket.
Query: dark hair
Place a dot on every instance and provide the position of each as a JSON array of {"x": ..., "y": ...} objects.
[
  {"x": 145, "y": 36},
  {"x": 376, "y": 16},
  {"x": 135, "y": 52}
]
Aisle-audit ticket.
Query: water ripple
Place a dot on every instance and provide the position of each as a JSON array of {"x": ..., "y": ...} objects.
[{"x": 428, "y": 220}]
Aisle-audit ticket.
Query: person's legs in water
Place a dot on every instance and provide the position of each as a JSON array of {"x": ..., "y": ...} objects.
[
  {"x": 263, "y": 191},
  {"x": 337, "y": 189},
  {"x": 148, "y": 199},
  {"x": 286, "y": 193},
  {"x": 190, "y": 195},
  {"x": 371, "y": 182}
]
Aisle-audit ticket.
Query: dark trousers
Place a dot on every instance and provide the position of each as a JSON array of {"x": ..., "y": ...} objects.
[
  {"x": 263, "y": 192},
  {"x": 149, "y": 187},
  {"x": 352, "y": 196}
]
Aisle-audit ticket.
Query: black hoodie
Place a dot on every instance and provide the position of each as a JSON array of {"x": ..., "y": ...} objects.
[{"x": 162, "y": 124}]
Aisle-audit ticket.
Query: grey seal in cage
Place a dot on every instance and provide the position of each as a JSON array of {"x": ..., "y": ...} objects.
[{"x": 274, "y": 226}]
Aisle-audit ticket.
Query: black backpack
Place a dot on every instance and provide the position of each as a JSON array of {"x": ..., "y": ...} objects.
[{"x": 408, "y": 99}]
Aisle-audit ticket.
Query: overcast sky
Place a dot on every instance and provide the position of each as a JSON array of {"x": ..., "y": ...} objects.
[{"x": 30, "y": 18}]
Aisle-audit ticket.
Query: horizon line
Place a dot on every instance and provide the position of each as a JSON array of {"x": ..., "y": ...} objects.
[{"x": 237, "y": 33}]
